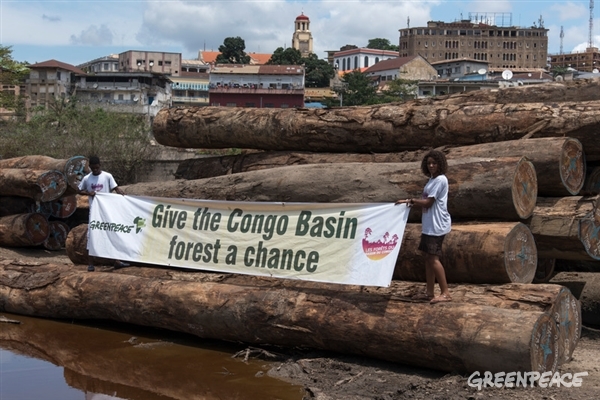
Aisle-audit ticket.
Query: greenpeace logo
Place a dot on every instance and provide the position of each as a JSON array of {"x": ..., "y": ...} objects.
[
  {"x": 110, "y": 226},
  {"x": 533, "y": 378}
]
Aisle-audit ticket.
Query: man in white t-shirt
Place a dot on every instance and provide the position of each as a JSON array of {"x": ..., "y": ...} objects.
[{"x": 99, "y": 181}]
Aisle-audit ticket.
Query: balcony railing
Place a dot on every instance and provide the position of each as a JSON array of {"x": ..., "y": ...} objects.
[{"x": 255, "y": 90}]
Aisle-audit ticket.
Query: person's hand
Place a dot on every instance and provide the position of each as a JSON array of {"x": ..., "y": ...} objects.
[
  {"x": 408, "y": 202},
  {"x": 92, "y": 193}
]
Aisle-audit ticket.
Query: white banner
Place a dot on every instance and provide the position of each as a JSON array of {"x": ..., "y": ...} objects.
[{"x": 324, "y": 242}]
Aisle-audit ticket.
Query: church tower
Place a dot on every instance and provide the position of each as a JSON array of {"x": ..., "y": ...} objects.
[{"x": 302, "y": 39}]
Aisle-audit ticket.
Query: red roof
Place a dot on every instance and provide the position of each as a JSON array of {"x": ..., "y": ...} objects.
[
  {"x": 302, "y": 16},
  {"x": 57, "y": 64}
]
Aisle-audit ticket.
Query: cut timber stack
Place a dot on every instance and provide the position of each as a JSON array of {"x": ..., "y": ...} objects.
[
  {"x": 377, "y": 323},
  {"x": 491, "y": 188},
  {"x": 559, "y": 162}
]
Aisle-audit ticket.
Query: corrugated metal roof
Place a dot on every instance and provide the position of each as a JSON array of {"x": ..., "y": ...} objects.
[{"x": 57, "y": 64}]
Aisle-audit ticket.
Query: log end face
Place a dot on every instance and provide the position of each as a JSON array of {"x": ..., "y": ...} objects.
[
  {"x": 572, "y": 166},
  {"x": 37, "y": 228},
  {"x": 60, "y": 208},
  {"x": 520, "y": 254},
  {"x": 53, "y": 185},
  {"x": 58, "y": 235},
  {"x": 567, "y": 316},
  {"x": 75, "y": 169},
  {"x": 544, "y": 345},
  {"x": 524, "y": 188},
  {"x": 589, "y": 234}
]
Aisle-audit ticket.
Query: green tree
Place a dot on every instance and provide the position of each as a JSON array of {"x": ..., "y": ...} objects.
[
  {"x": 232, "y": 51},
  {"x": 356, "y": 89},
  {"x": 12, "y": 73},
  {"x": 381, "y": 44},
  {"x": 289, "y": 56},
  {"x": 318, "y": 72},
  {"x": 348, "y": 47},
  {"x": 122, "y": 141},
  {"x": 559, "y": 70},
  {"x": 399, "y": 90}
]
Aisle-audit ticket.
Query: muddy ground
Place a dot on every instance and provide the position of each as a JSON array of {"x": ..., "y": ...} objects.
[{"x": 340, "y": 377}]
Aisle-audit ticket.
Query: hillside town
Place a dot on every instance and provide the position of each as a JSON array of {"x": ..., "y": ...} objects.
[{"x": 438, "y": 59}]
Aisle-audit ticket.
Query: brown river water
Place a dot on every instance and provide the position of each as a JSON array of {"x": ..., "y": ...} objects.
[{"x": 64, "y": 360}]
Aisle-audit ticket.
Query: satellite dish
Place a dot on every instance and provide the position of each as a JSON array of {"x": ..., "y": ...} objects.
[
  {"x": 135, "y": 99},
  {"x": 520, "y": 83},
  {"x": 595, "y": 71},
  {"x": 482, "y": 71},
  {"x": 507, "y": 74},
  {"x": 95, "y": 86}
]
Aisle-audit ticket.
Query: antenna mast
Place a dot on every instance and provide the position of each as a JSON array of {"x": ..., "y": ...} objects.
[
  {"x": 562, "y": 35},
  {"x": 591, "y": 42}
]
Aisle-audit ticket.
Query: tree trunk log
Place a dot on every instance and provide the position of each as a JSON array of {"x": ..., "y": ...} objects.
[
  {"x": 10, "y": 205},
  {"x": 60, "y": 208},
  {"x": 585, "y": 286},
  {"x": 22, "y": 230},
  {"x": 378, "y": 128},
  {"x": 503, "y": 252},
  {"x": 40, "y": 185},
  {"x": 74, "y": 168},
  {"x": 503, "y": 188},
  {"x": 76, "y": 247},
  {"x": 592, "y": 182},
  {"x": 557, "y": 223},
  {"x": 559, "y": 162},
  {"x": 465, "y": 337},
  {"x": 58, "y": 235}
]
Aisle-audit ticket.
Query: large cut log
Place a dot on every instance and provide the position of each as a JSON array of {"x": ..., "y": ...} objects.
[
  {"x": 559, "y": 162},
  {"x": 76, "y": 247},
  {"x": 22, "y": 230},
  {"x": 10, "y": 205},
  {"x": 74, "y": 168},
  {"x": 585, "y": 286},
  {"x": 563, "y": 228},
  {"x": 502, "y": 189},
  {"x": 59, "y": 208},
  {"x": 379, "y": 128},
  {"x": 40, "y": 185},
  {"x": 58, "y": 235},
  {"x": 502, "y": 252},
  {"x": 465, "y": 337}
]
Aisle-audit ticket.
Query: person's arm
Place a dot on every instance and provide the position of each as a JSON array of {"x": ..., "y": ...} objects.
[
  {"x": 423, "y": 203},
  {"x": 118, "y": 190}
]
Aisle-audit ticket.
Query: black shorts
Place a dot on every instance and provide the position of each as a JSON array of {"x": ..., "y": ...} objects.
[{"x": 432, "y": 244}]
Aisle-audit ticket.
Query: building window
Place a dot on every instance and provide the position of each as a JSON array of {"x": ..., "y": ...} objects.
[
  {"x": 249, "y": 104},
  {"x": 105, "y": 66},
  {"x": 366, "y": 62},
  {"x": 230, "y": 104},
  {"x": 269, "y": 105},
  {"x": 285, "y": 106},
  {"x": 120, "y": 97}
]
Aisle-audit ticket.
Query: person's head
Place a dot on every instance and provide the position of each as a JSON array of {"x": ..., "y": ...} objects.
[
  {"x": 434, "y": 163},
  {"x": 95, "y": 165}
]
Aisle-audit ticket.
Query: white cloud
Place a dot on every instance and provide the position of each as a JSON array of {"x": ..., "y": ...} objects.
[
  {"x": 93, "y": 36},
  {"x": 570, "y": 11},
  {"x": 51, "y": 18}
]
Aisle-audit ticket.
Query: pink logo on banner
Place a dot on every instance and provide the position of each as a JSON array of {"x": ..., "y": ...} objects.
[{"x": 379, "y": 249}]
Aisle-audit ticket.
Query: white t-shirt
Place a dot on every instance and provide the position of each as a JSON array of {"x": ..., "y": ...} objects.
[
  {"x": 436, "y": 220},
  {"x": 102, "y": 183}
]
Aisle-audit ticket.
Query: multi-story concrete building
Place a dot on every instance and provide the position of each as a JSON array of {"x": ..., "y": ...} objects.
[
  {"x": 361, "y": 58},
  {"x": 587, "y": 61},
  {"x": 502, "y": 47},
  {"x": 191, "y": 87},
  {"x": 48, "y": 81},
  {"x": 141, "y": 93},
  {"x": 108, "y": 63},
  {"x": 262, "y": 86},
  {"x": 150, "y": 61}
]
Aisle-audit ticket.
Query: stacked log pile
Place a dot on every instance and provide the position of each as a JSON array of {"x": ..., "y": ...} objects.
[
  {"x": 517, "y": 165},
  {"x": 37, "y": 196}
]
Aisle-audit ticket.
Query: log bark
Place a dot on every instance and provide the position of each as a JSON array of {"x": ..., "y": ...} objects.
[
  {"x": 559, "y": 162},
  {"x": 57, "y": 236},
  {"x": 503, "y": 252},
  {"x": 74, "y": 168},
  {"x": 22, "y": 230},
  {"x": 40, "y": 185},
  {"x": 556, "y": 225},
  {"x": 378, "y": 128},
  {"x": 465, "y": 337},
  {"x": 10, "y": 205},
  {"x": 503, "y": 188}
]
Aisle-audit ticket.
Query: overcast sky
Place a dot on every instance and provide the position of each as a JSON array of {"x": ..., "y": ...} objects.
[{"x": 76, "y": 31}]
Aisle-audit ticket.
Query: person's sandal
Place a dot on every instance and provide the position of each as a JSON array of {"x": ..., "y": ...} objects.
[
  {"x": 442, "y": 298},
  {"x": 422, "y": 296}
]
